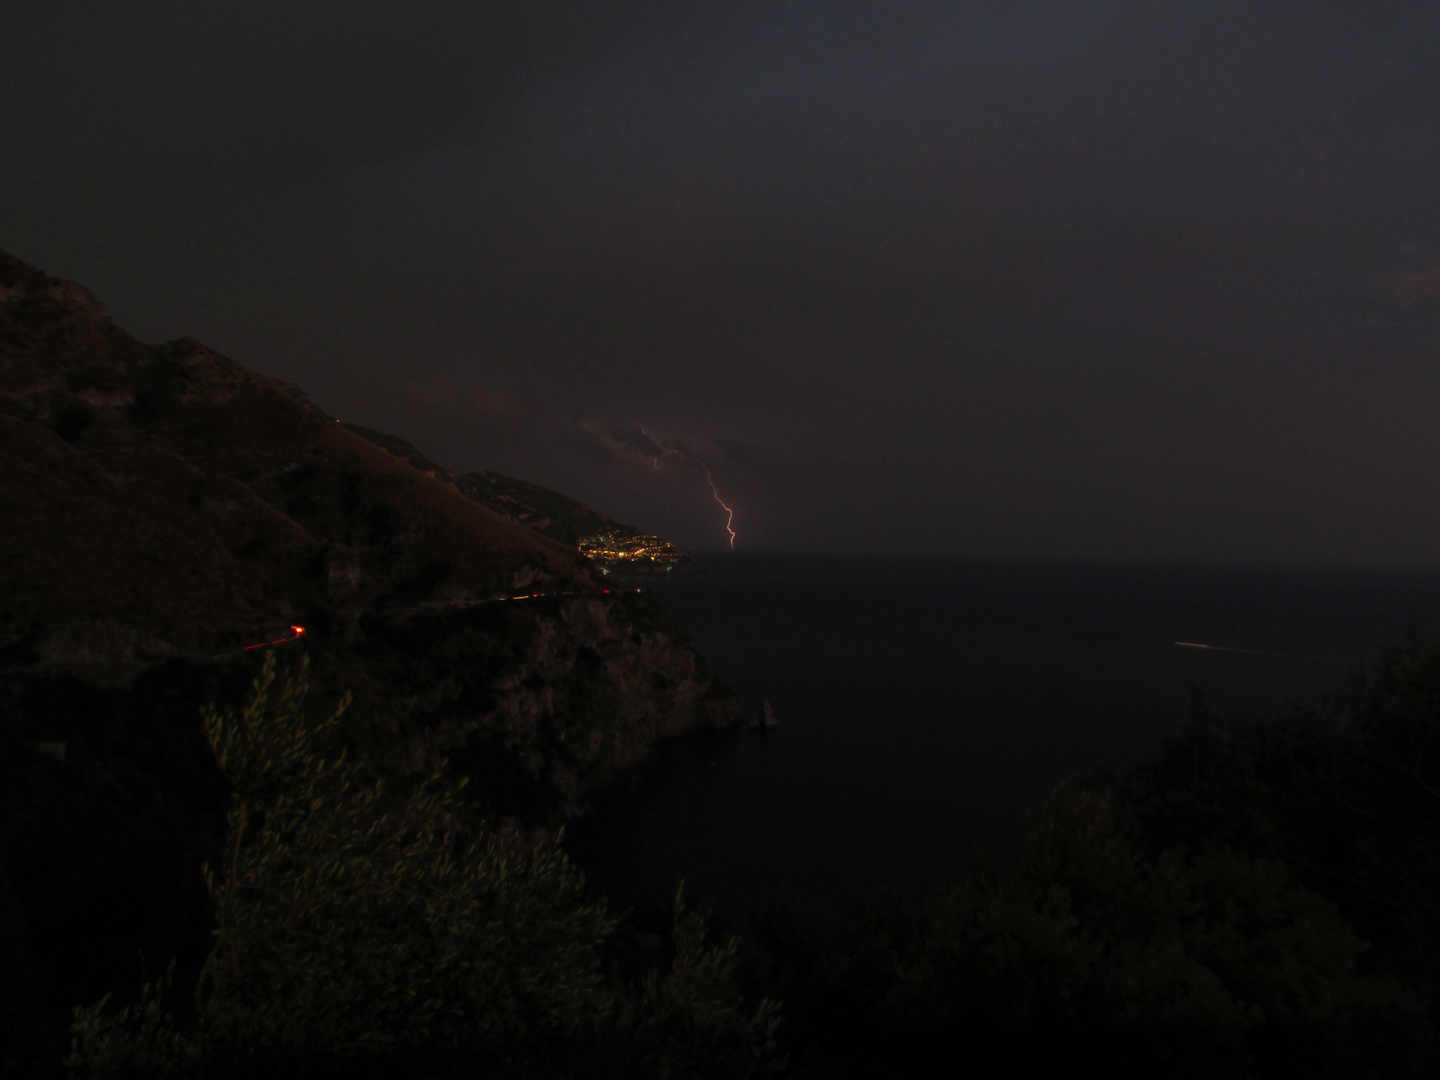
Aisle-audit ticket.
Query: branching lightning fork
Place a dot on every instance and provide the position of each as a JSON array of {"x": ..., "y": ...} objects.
[{"x": 730, "y": 518}]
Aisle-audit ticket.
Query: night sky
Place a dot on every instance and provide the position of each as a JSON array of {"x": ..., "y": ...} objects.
[{"x": 1070, "y": 279}]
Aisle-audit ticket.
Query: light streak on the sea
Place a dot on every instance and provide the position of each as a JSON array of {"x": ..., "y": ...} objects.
[{"x": 1260, "y": 652}]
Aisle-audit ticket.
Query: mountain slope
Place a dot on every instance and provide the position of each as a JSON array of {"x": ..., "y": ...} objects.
[
  {"x": 165, "y": 502},
  {"x": 161, "y": 509}
]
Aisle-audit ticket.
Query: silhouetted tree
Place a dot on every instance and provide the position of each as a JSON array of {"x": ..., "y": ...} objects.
[
  {"x": 1091, "y": 959},
  {"x": 1347, "y": 796}
]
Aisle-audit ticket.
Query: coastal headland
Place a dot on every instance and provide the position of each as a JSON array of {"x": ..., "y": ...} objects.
[{"x": 167, "y": 507}]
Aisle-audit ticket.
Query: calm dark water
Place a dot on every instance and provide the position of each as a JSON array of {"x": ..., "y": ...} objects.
[{"x": 925, "y": 705}]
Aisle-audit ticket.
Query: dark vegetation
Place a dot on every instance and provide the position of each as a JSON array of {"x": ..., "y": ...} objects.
[
  {"x": 165, "y": 509},
  {"x": 341, "y": 924},
  {"x": 99, "y": 852},
  {"x": 1259, "y": 901}
]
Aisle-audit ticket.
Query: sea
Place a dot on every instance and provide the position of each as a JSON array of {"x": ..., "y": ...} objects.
[{"x": 925, "y": 705}]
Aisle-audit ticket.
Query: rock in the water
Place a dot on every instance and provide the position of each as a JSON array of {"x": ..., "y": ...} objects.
[{"x": 765, "y": 718}]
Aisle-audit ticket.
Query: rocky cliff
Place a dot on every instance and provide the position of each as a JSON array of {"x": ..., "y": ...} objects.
[{"x": 165, "y": 505}]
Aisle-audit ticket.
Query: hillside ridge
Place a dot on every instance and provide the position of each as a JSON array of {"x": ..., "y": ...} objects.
[
  {"x": 608, "y": 543},
  {"x": 173, "y": 506}
]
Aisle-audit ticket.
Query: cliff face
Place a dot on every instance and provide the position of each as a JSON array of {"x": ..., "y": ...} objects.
[
  {"x": 568, "y": 691},
  {"x": 163, "y": 503}
]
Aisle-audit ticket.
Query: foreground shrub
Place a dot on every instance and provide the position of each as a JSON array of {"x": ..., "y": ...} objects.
[{"x": 354, "y": 920}]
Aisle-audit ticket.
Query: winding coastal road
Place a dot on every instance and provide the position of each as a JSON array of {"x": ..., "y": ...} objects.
[{"x": 297, "y": 632}]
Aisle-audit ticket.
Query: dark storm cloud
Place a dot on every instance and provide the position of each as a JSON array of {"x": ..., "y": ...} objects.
[
  {"x": 636, "y": 441},
  {"x": 1093, "y": 277},
  {"x": 278, "y": 92},
  {"x": 1410, "y": 285},
  {"x": 678, "y": 448},
  {"x": 641, "y": 447},
  {"x": 740, "y": 453},
  {"x": 458, "y": 396},
  {"x": 584, "y": 445}
]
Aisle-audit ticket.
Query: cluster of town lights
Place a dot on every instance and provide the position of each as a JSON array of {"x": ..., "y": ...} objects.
[{"x": 632, "y": 549}]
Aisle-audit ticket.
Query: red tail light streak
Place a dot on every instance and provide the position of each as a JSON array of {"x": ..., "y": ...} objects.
[{"x": 296, "y": 633}]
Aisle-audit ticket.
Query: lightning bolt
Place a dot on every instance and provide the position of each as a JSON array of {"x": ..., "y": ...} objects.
[
  {"x": 730, "y": 519},
  {"x": 687, "y": 456}
]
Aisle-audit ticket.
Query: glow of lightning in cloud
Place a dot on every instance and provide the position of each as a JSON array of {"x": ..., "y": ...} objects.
[
  {"x": 688, "y": 457},
  {"x": 729, "y": 520},
  {"x": 654, "y": 461}
]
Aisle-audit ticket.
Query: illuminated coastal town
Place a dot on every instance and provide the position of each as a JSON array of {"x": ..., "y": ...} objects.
[{"x": 640, "y": 552}]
